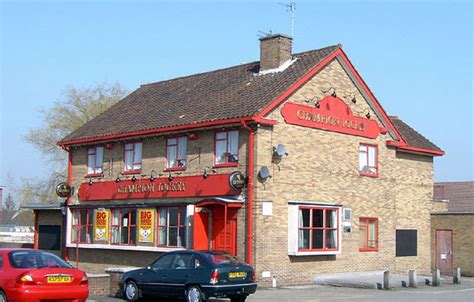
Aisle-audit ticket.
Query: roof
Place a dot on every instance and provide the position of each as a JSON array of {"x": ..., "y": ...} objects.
[
  {"x": 223, "y": 94},
  {"x": 412, "y": 137},
  {"x": 460, "y": 195}
]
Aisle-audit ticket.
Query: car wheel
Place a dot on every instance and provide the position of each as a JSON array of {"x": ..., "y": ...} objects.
[
  {"x": 3, "y": 297},
  {"x": 194, "y": 294},
  {"x": 130, "y": 291},
  {"x": 238, "y": 298}
]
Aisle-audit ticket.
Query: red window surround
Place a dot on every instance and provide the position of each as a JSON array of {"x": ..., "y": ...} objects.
[
  {"x": 83, "y": 221},
  {"x": 177, "y": 158},
  {"x": 371, "y": 166},
  {"x": 118, "y": 228},
  {"x": 130, "y": 150},
  {"x": 170, "y": 227},
  {"x": 231, "y": 157},
  {"x": 95, "y": 166},
  {"x": 326, "y": 233},
  {"x": 369, "y": 229}
]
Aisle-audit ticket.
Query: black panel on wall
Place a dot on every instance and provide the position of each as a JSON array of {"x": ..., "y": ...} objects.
[
  {"x": 406, "y": 241},
  {"x": 49, "y": 237}
]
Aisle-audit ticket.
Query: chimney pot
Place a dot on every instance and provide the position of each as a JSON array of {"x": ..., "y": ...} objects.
[{"x": 274, "y": 51}]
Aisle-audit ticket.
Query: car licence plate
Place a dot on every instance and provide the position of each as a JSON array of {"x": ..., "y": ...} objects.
[
  {"x": 234, "y": 275},
  {"x": 58, "y": 279}
]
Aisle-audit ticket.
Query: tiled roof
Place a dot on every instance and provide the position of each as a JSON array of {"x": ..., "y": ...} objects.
[
  {"x": 223, "y": 94},
  {"x": 460, "y": 195},
  {"x": 412, "y": 137}
]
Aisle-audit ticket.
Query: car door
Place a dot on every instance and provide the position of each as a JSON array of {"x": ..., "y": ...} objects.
[
  {"x": 179, "y": 273},
  {"x": 153, "y": 280}
]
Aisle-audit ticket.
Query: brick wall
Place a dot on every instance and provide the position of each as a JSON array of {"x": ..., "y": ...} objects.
[
  {"x": 323, "y": 167},
  {"x": 99, "y": 285},
  {"x": 463, "y": 239}
]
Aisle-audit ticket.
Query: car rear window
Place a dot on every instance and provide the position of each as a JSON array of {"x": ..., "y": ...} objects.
[
  {"x": 35, "y": 259},
  {"x": 221, "y": 259}
]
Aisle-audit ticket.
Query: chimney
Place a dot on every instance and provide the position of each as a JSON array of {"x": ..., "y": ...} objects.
[{"x": 274, "y": 51}]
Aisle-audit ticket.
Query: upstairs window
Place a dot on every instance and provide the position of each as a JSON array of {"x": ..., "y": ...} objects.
[
  {"x": 318, "y": 229},
  {"x": 95, "y": 159},
  {"x": 368, "y": 234},
  {"x": 368, "y": 160},
  {"x": 176, "y": 153},
  {"x": 133, "y": 157},
  {"x": 227, "y": 148}
]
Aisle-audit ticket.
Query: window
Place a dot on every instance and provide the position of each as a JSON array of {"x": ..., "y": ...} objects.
[
  {"x": 82, "y": 223},
  {"x": 95, "y": 158},
  {"x": 368, "y": 234},
  {"x": 368, "y": 161},
  {"x": 124, "y": 226},
  {"x": 227, "y": 148},
  {"x": 133, "y": 157},
  {"x": 164, "y": 262},
  {"x": 318, "y": 229},
  {"x": 176, "y": 153},
  {"x": 172, "y": 227}
]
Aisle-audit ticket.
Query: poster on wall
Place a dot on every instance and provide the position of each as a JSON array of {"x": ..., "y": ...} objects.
[
  {"x": 146, "y": 219},
  {"x": 101, "y": 225}
]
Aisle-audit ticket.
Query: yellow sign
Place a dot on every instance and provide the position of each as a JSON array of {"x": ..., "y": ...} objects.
[
  {"x": 101, "y": 225},
  {"x": 146, "y": 223}
]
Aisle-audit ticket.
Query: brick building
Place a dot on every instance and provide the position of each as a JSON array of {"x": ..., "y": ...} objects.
[
  {"x": 289, "y": 162},
  {"x": 451, "y": 227}
]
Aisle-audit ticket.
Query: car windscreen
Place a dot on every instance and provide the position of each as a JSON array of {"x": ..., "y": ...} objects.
[
  {"x": 35, "y": 259},
  {"x": 222, "y": 259}
]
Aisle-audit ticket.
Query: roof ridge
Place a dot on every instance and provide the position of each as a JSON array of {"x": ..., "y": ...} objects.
[{"x": 234, "y": 66}]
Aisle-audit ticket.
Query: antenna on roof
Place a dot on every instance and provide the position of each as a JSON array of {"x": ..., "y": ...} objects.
[
  {"x": 291, "y": 7},
  {"x": 263, "y": 34}
]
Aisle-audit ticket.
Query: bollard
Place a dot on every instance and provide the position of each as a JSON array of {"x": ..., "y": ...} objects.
[
  {"x": 412, "y": 279},
  {"x": 386, "y": 280},
  {"x": 457, "y": 275},
  {"x": 436, "y": 277}
]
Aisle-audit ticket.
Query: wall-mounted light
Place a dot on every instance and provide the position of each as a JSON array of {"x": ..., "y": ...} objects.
[
  {"x": 152, "y": 178},
  {"x": 354, "y": 100},
  {"x": 90, "y": 181},
  {"x": 134, "y": 178},
  {"x": 205, "y": 175},
  {"x": 117, "y": 179},
  {"x": 317, "y": 105},
  {"x": 331, "y": 91},
  {"x": 170, "y": 177}
]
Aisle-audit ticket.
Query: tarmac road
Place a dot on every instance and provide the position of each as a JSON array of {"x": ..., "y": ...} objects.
[{"x": 318, "y": 293}]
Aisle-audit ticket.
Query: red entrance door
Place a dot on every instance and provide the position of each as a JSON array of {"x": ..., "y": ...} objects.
[
  {"x": 201, "y": 233},
  {"x": 224, "y": 234},
  {"x": 444, "y": 251}
]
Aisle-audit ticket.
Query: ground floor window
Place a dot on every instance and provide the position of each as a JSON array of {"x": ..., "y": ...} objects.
[
  {"x": 318, "y": 229},
  {"x": 368, "y": 234},
  {"x": 82, "y": 226},
  {"x": 161, "y": 226}
]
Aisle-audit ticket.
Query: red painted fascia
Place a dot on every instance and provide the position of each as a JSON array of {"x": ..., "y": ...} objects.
[
  {"x": 256, "y": 119},
  {"x": 405, "y": 147},
  {"x": 251, "y": 142}
]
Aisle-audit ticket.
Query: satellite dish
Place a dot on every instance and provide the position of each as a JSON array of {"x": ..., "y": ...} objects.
[
  {"x": 264, "y": 173},
  {"x": 280, "y": 150}
]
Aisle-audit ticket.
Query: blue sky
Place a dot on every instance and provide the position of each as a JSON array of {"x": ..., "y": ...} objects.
[{"x": 416, "y": 56}]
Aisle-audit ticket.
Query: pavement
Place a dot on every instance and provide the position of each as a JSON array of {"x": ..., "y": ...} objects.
[{"x": 355, "y": 287}]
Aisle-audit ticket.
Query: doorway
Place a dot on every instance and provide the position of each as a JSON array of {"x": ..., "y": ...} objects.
[
  {"x": 444, "y": 251},
  {"x": 215, "y": 227}
]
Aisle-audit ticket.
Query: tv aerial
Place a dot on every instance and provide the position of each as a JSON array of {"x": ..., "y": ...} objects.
[{"x": 291, "y": 7}]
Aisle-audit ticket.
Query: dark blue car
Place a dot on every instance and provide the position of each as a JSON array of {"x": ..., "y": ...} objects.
[{"x": 196, "y": 275}]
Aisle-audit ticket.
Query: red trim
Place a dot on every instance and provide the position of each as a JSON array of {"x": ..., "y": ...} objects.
[
  {"x": 120, "y": 226},
  {"x": 36, "y": 233},
  {"x": 420, "y": 150},
  {"x": 250, "y": 193},
  {"x": 257, "y": 119},
  {"x": 83, "y": 227},
  {"x": 177, "y": 158},
  {"x": 367, "y": 220},
  {"x": 132, "y": 170},
  {"x": 227, "y": 163},
  {"x": 297, "y": 85},
  {"x": 376, "y": 160},
  {"x": 161, "y": 187},
  {"x": 324, "y": 228},
  {"x": 69, "y": 173},
  {"x": 167, "y": 227}
]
